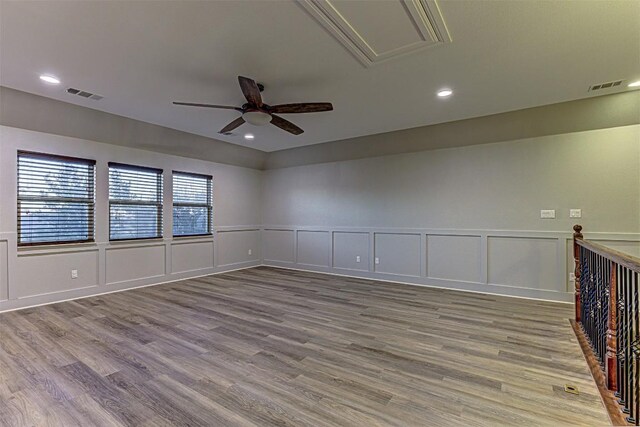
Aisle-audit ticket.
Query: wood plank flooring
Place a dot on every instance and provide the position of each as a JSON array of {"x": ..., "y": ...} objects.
[{"x": 267, "y": 346}]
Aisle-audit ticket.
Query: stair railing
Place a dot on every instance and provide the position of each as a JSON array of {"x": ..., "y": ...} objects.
[{"x": 607, "y": 312}]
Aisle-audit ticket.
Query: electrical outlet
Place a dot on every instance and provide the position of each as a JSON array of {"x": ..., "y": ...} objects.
[
  {"x": 548, "y": 213},
  {"x": 377, "y": 260},
  {"x": 74, "y": 274},
  {"x": 357, "y": 258},
  {"x": 575, "y": 213},
  {"x": 572, "y": 277},
  {"x": 249, "y": 251}
]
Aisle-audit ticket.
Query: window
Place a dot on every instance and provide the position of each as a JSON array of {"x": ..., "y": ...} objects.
[
  {"x": 191, "y": 204},
  {"x": 55, "y": 199},
  {"x": 135, "y": 202}
]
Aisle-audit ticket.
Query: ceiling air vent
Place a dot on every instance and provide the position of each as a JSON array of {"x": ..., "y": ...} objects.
[
  {"x": 84, "y": 94},
  {"x": 606, "y": 85}
]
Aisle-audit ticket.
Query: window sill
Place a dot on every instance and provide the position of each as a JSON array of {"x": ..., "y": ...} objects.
[
  {"x": 57, "y": 247},
  {"x": 193, "y": 236},
  {"x": 136, "y": 240}
]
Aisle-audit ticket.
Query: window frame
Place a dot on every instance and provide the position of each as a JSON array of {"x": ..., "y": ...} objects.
[
  {"x": 91, "y": 201},
  {"x": 158, "y": 204},
  {"x": 208, "y": 206}
]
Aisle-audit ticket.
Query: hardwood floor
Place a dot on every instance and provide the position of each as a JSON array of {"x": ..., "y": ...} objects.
[{"x": 267, "y": 346}]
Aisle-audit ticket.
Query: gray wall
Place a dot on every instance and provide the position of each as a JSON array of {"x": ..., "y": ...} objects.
[
  {"x": 28, "y": 111},
  {"x": 40, "y": 274},
  {"x": 466, "y": 217},
  {"x": 599, "y": 112}
]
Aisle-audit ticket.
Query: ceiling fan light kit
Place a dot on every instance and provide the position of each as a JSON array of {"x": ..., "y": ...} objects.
[
  {"x": 256, "y": 118},
  {"x": 257, "y": 113}
]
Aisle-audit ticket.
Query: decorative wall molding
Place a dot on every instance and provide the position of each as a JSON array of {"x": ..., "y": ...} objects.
[
  {"x": 413, "y": 25},
  {"x": 14, "y": 295},
  {"x": 15, "y": 304},
  {"x": 316, "y": 248},
  {"x": 546, "y": 251}
]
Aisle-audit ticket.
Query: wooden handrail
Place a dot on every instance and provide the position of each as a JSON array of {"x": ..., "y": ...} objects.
[{"x": 629, "y": 261}]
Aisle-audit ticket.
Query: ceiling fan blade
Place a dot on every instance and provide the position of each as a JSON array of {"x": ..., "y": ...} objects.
[
  {"x": 192, "y": 104},
  {"x": 307, "y": 107},
  {"x": 285, "y": 125},
  {"x": 231, "y": 126},
  {"x": 250, "y": 90}
]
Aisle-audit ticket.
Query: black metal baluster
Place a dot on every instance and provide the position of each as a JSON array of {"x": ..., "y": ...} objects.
[
  {"x": 599, "y": 308},
  {"x": 584, "y": 271},
  {"x": 584, "y": 281},
  {"x": 592, "y": 298},
  {"x": 604, "y": 316},
  {"x": 633, "y": 348},
  {"x": 619, "y": 311},
  {"x": 602, "y": 299},
  {"x": 627, "y": 348},
  {"x": 596, "y": 305},
  {"x": 606, "y": 289},
  {"x": 587, "y": 305},
  {"x": 623, "y": 347},
  {"x": 633, "y": 279}
]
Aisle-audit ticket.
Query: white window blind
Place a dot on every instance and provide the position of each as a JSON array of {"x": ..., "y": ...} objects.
[
  {"x": 192, "y": 204},
  {"x": 56, "y": 199},
  {"x": 135, "y": 202}
]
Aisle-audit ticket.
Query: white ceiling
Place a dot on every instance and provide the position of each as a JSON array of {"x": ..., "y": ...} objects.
[{"x": 503, "y": 55}]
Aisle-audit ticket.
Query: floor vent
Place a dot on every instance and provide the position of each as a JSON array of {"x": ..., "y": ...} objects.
[
  {"x": 84, "y": 94},
  {"x": 571, "y": 389},
  {"x": 606, "y": 85}
]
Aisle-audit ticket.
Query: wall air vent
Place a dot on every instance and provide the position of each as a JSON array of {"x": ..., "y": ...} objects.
[
  {"x": 606, "y": 85},
  {"x": 84, "y": 94}
]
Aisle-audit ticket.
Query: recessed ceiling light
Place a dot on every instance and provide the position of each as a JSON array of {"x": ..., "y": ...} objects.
[
  {"x": 248, "y": 136},
  {"x": 50, "y": 79},
  {"x": 443, "y": 93},
  {"x": 634, "y": 84}
]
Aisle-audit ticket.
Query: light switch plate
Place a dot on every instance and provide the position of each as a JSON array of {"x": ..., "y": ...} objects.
[
  {"x": 250, "y": 251},
  {"x": 575, "y": 213},
  {"x": 548, "y": 213}
]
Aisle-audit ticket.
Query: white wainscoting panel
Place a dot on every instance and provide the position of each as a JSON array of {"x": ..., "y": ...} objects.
[
  {"x": 48, "y": 273},
  {"x": 530, "y": 264},
  {"x": 134, "y": 263},
  {"x": 279, "y": 245},
  {"x": 313, "y": 248},
  {"x": 191, "y": 256},
  {"x": 454, "y": 257},
  {"x": 234, "y": 246},
  {"x": 525, "y": 262},
  {"x": 398, "y": 253},
  {"x": 4, "y": 270},
  {"x": 349, "y": 245}
]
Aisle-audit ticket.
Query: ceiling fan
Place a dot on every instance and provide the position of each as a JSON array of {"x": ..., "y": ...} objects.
[{"x": 257, "y": 113}]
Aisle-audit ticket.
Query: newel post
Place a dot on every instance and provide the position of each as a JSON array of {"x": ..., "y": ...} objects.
[
  {"x": 577, "y": 235},
  {"x": 611, "y": 358}
]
